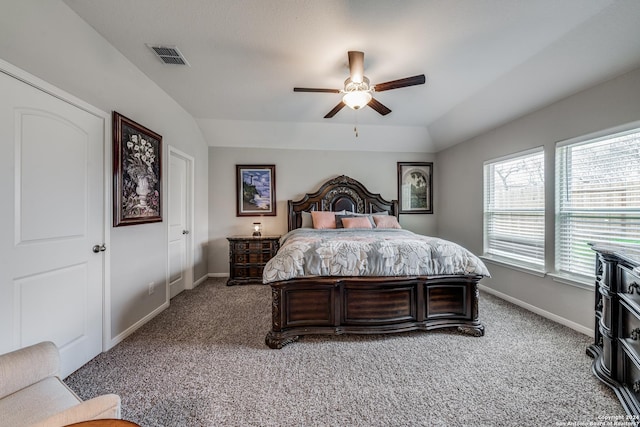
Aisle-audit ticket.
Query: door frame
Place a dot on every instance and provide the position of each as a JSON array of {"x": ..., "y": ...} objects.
[
  {"x": 37, "y": 83},
  {"x": 189, "y": 245}
]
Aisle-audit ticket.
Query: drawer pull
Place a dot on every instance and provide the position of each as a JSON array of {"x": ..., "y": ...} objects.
[
  {"x": 633, "y": 286},
  {"x": 635, "y": 334},
  {"x": 636, "y": 387}
]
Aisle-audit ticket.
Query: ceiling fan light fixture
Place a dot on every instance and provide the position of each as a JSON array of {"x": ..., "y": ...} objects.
[
  {"x": 356, "y": 99},
  {"x": 356, "y": 94}
]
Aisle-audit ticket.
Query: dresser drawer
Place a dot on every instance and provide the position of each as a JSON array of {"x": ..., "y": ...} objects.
[
  {"x": 629, "y": 328},
  {"x": 629, "y": 284},
  {"x": 605, "y": 316},
  {"x": 629, "y": 375}
]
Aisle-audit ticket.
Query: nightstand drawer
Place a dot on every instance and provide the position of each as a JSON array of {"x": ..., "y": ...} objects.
[
  {"x": 253, "y": 246},
  {"x": 251, "y": 257},
  {"x": 248, "y": 272}
]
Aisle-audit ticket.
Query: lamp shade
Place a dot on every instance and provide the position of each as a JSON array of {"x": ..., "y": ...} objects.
[{"x": 356, "y": 99}]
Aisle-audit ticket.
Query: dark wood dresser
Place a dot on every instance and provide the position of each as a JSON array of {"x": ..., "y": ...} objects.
[
  {"x": 616, "y": 348},
  {"x": 247, "y": 257}
]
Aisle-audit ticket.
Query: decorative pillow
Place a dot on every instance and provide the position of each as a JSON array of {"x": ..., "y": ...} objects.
[
  {"x": 323, "y": 220},
  {"x": 357, "y": 222},
  {"x": 373, "y": 224},
  {"x": 339, "y": 219},
  {"x": 362, "y": 214},
  {"x": 307, "y": 221},
  {"x": 386, "y": 221}
]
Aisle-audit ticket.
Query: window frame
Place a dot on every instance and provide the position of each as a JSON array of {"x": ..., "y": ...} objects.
[
  {"x": 538, "y": 269},
  {"x": 560, "y": 274}
]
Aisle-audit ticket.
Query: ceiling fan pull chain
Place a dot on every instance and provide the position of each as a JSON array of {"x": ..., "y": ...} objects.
[{"x": 355, "y": 126}]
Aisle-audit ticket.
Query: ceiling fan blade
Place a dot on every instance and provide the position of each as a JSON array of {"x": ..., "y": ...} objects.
[
  {"x": 356, "y": 66},
  {"x": 396, "y": 84},
  {"x": 335, "y": 110},
  {"x": 380, "y": 108},
  {"x": 307, "y": 89}
]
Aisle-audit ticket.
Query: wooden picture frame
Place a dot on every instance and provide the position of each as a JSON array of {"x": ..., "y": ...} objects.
[
  {"x": 415, "y": 189},
  {"x": 137, "y": 173},
  {"x": 255, "y": 190}
]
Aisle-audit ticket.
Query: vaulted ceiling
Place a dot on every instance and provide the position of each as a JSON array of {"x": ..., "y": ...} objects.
[{"x": 486, "y": 61}]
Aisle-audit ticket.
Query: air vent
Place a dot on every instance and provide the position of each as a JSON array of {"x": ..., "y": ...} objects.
[{"x": 169, "y": 55}]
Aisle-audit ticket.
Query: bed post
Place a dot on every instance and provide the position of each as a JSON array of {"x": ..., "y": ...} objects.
[
  {"x": 476, "y": 330},
  {"x": 274, "y": 338}
]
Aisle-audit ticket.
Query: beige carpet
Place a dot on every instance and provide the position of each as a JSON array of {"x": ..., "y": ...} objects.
[{"x": 203, "y": 362}]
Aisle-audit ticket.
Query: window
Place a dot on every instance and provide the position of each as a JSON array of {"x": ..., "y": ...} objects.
[
  {"x": 597, "y": 198},
  {"x": 514, "y": 209}
]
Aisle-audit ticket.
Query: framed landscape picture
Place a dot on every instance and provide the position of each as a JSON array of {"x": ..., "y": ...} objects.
[
  {"x": 137, "y": 169},
  {"x": 256, "y": 190},
  {"x": 415, "y": 193}
]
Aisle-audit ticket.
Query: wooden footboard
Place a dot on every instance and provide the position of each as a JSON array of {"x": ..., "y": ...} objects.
[{"x": 372, "y": 305}]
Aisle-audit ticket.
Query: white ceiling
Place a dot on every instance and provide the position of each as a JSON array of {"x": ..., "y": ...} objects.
[{"x": 486, "y": 61}]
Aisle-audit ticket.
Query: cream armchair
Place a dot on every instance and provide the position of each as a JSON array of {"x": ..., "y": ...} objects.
[{"x": 32, "y": 394}]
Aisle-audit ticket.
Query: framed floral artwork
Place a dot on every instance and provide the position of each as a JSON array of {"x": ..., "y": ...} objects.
[
  {"x": 137, "y": 173},
  {"x": 255, "y": 190},
  {"x": 415, "y": 193}
]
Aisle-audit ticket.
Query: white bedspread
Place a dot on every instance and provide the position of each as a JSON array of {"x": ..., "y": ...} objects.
[{"x": 378, "y": 252}]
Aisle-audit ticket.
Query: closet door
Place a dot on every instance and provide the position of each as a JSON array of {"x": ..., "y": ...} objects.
[{"x": 51, "y": 216}]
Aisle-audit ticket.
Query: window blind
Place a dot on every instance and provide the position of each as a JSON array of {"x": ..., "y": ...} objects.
[
  {"x": 598, "y": 198},
  {"x": 514, "y": 209}
]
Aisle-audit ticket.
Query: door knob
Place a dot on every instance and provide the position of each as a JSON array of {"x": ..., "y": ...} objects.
[
  {"x": 99, "y": 248},
  {"x": 185, "y": 231}
]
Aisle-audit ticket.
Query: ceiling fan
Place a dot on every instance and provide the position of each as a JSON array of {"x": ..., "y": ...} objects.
[{"x": 357, "y": 92}]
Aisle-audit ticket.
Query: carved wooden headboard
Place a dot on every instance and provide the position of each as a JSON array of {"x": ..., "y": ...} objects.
[{"x": 340, "y": 193}]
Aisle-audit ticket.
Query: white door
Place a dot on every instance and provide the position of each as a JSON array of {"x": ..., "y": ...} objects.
[
  {"x": 179, "y": 199},
  {"x": 51, "y": 215}
]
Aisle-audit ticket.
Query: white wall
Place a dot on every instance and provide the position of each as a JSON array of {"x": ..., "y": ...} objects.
[
  {"x": 48, "y": 40},
  {"x": 459, "y": 173},
  {"x": 297, "y": 172}
]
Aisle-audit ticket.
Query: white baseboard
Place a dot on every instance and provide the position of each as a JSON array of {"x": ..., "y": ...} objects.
[
  {"x": 200, "y": 280},
  {"x": 131, "y": 329},
  {"x": 218, "y": 274},
  {"x": 546, "y": 314}
]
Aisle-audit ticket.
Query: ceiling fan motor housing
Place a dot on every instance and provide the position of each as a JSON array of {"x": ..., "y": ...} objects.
[{"x": 351, "y": 86}]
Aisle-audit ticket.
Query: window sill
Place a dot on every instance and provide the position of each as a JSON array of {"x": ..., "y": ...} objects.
[
  {"x": 574, "y": 280},
  {"x": 582, "y": 282},
  {"x": 509, "y": 264}
]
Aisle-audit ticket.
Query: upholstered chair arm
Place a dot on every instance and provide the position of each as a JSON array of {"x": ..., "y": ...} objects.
[
  {"x": 105, "y": 406},
  {"x": 26, "y": 366}
]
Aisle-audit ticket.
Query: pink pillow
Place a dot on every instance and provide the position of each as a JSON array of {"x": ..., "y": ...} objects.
[
  {"x": 356, "y": 222},
  {"x": 323, "y": 220},
  {"x": 385, "y": 221}
]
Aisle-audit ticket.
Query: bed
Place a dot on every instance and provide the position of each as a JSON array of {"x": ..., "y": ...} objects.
[{"x": 310, "y": 295}]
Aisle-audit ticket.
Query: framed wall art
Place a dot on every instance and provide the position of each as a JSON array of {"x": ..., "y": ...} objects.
[
  {"x": 415, "y": 193},
  {"x": 255, "y": 190},
  {"x": 137, "y": 173}
]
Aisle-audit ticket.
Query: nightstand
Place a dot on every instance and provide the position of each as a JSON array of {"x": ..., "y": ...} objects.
[{"x": 247, "y": 257}]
